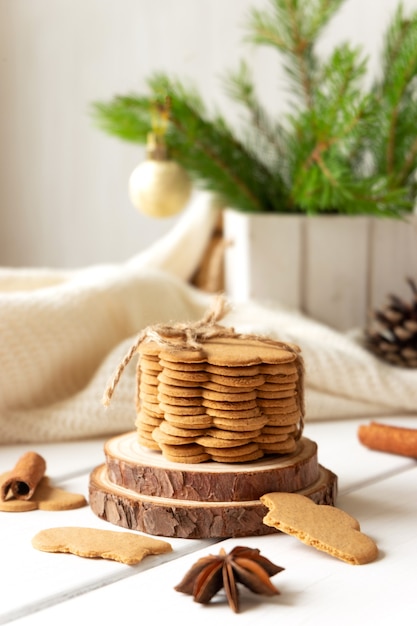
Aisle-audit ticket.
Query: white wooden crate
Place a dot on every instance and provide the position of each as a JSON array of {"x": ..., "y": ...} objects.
[{"x": 336, "y": 269}]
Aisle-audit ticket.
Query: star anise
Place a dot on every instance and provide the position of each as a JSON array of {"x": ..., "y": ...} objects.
[{"x": 242, "y": 565}]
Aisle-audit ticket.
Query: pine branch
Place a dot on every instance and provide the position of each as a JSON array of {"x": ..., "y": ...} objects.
[
  {"x": 227, "y": 167},
  {"x": 334, "y": 127},
  {"x": 214, "y": 153},
  {"x": 399, "y": 69},
  {"x": 126, "y": 117},
  {"x": 292, "y": 27},
  {"x": 341, "y": 149},
  {"x": 239, "y": 86}
]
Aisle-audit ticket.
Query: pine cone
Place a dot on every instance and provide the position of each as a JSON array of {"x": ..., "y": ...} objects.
[{"x": 393, "y": 337}]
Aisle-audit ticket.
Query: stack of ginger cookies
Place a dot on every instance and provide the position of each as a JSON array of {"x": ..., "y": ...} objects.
[
  {"x": 219, "y": 423},
  {"x": 232, "y": 399}
]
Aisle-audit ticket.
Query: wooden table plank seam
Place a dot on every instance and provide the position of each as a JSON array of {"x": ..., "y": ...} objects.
[
  {"x": 76, "y": 591},
  {"x": 360, "y": 484}
]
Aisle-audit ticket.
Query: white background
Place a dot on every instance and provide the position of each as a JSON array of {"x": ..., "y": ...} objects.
[{"x": 63, "y": 183}]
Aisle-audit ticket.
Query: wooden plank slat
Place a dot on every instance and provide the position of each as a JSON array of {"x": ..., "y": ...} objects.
[
  {"x": 262, "y": 262},
  {"x": 335, "y": 269},
  {"x": 335, "y": 264},
  {"x": 393, "y": 258}
]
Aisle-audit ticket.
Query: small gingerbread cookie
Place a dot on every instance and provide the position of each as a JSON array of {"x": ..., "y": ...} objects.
[
  {"x": 125, "y": 547},
  {"x": 46, "y": 497},
  {"x": 322, "y": 526}
]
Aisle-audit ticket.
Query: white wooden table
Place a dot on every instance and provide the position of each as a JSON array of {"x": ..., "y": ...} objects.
[{"x": 379, "y": 489}]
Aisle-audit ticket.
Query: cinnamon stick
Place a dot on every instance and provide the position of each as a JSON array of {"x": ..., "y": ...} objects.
[
  {"x": 389, "y": 438},
  {"x": 23, "y": 479}
]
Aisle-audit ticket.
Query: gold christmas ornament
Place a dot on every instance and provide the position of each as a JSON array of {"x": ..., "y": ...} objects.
[{"x": 159, "y": 187}]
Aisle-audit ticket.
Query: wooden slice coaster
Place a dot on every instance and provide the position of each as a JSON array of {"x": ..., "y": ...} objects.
[
  {"x": 148, "y": 472},
  {"x": 190, "y": 519}
]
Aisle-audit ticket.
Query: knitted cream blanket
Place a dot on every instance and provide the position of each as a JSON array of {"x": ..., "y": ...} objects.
[{"x": 64, "y": 333}]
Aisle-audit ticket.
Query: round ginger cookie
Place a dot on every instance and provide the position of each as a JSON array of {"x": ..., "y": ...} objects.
[
  {"x": 149, "y": 414},
  {"x": 144, "y": 427},
  {"x": 148, "y": 442},
  {"x": 189, "y": 421},
  {"x": 229, "y": 389},
  {"x": 146, "y": 418},
  {"x": 278, "y": 398},
  {"x": 179, "y": 400},
  {"x": 237, "y": 351},
  {"x": 276, "y": 430},
  {"x": 151, "y": 410},
  {"x": 279, "y": 369},
  {"x": 238, "y": 381},
  {"x": 197, "y": 458},
  {"x": 184, "y": 392},
  {"x": 152, "y": 371},
  {"x": 182, "y": 354},
  {"x": 280, "y": 410},
  {"x": 283, "y": 447},
  {"x": 173, "y": 409},
  {"x": 239, "y": 425},
  {"x": 272, "y": 402},
  {"x": 230, "y": 406},
  {"x": 230, "y": 370},
  {"x": 151, "y": 398},
  {"x": 176, "y": 382},
  {"x": 294, "y": 425},
  {"x": 146, "y": 435},
  {"x": 149, "y": 362},
  {"x": 148, "y": 379},
  {"x": 281, "y": 418},
  {"x": 189, "y": 449},
  {"x": 150, "y": 390},
  {"x": 189, "y": 453},
  {"x": 181, "y": 366},
  {"x": 182, "y": 377},
  {"x": 274, "y": 408},
  {"x": 271, "y": 438},
  {"x": 220, "y": 433},
  {"x": 234, "y": 414},
  {"x": 212, "y": 442},
  {"x": 233, "y": 452},
  {"x": 221, "y": 396},
  {"x": 244, "y": 458},
  {"x": 170, "y": 429},
  {"x": 282, "y": 379},
  {"x": 277, "y": 387},
  {"x": 149, "y": 350},
  {"x": 272, "y": 395},
  {"x": 164, "y": 438}
]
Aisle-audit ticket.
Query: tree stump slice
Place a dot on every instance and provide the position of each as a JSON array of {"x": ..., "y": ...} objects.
[
  {"x": 187, "y": 517},
  {"x": 147, "y": 472}
]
